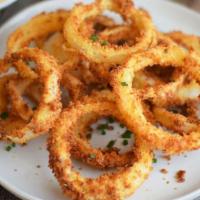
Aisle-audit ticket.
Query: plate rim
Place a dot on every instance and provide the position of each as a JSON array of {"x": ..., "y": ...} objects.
[
  {"x": 6, "y": 3},
  {"x": 23, "y": 194},
  {"x": 16, "y": 191}
]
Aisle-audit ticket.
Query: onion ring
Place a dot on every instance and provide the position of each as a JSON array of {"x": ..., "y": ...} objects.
[
  {"x": 109, "y": 53},
  {"x": 81, "y": 149},
  {"x": 15, "y": 88},
  {"x": 3, "y": 92},
  {"x": 122, "y": 33},
  {"x": 49, "y": 108},
  {"x": 79, "y": 80},
  {"x": 190, "y": 42},
  {"x": 130, "y": 103},
  {"x": 174, "y": 122},
  {"x": 116, "y": 185},
  {"x": 46, "y": 23},
  {"x": 187, "y": 96}
]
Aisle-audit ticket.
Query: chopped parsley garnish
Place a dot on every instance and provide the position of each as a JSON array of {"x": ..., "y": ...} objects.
[
  {"x": 9, "y": 147},
  {"x": 103, "y": 132},
  {"x": 125, "y": 142},
  {"x": 124, "y": 84},
  {"x": 111, "y": 144},
  {"x": 126, "y": 134},
  {"x": 92, "y": 156},
  {"x": 4, "y": 115},
  {"x": 154, "y": 160},
  {"x": 94, "y": 38},
  {"x": 13, "y": 145},
  {"x": 122, "y": 125},
  {"x": 104, "y": 43},
  {"x": 111, "y": 120},
  {"x": 102, "y": 126}
]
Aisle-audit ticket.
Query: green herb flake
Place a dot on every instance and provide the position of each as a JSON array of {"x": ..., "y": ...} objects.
[
  {"x": 125, "y": 142},
  {"x": 4, "y": 115},
  {"x": 111, "y": 120},
  {"x": 126, "y": 134},
  {"x": 154, "y": 160},
  {"x": 122, "y": 125},
  {"x": 94, "y": 38},
  {"x": 92, "y": 156},
  {"x": 124, "y": 84},
  {"x": 111, "y": 144},
  {"x": 102, "y": 126},
  {"x": 103, "y": 132},
  {"x": 8, "y": 148},
  {"x": 104, "y": 43},
  {"x": 13, "y": 145}
]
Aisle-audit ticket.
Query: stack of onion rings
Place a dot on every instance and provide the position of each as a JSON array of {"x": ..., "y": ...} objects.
[{"x": 95, "y": 67}]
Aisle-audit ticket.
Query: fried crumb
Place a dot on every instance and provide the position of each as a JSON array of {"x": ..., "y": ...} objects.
[
  {"x": 163, "y": 171},
  {"x": 166, "y": 157},
  {"x": 180, "y": 176}
]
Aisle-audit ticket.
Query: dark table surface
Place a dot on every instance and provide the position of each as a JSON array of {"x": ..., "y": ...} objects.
[{"x": 20, "y": 4}]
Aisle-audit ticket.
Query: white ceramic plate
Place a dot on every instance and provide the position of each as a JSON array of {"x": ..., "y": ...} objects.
[
  {"x": 18, "y": 168},
  {"x": 5, "y": 3}
]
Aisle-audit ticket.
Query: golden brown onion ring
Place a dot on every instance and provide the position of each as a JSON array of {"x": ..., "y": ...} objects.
[
  {"x": 184, "y": 102},
  {"x": 124, "y": 33},
  {"x": 116, "y": 185},
  {"x": 108, "y": 53},
  {"x": 18, "y": 130},
  {"x": 81, "y": 149},
  {"x": 3, "y": 92},
  {"x": 54, "y": 45},
  {"x": 175, "y": 122},
  {"x": 46, "y": 23},
  {"x": 16, "y": 88},
  {"x": 190, "y": 42},
  {"x": 130, "y": 103}
]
